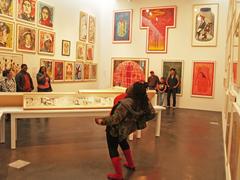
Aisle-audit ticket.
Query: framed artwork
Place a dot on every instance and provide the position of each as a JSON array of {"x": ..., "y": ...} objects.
[
  {"x": 48, "y": 63},
  {"x": 203, "y": 78},
  {"x": 83, "y": 26},
  {"x": 66, "y": 46},
  {"x": 91, "y": 29},
  {"x": 26, "y": 38},
  {"x": 86, "y": 72},
  {"x": 46, "y": 42},
  {"x": 122, "y": 26},
  {"x": 26, "y": 10},
  {"x": 58, "y": 71},
  {"x": 78, "y": 71},
  {"x": 6, "y": 35},
  {"x": 126, "y": 71},
  {"x": 7, "y": 8},
  {"x": 178, "y": 66},
  {"x": 69, "y": 70},
  {"x": 157, "y": 22},
  {"x": 205, "y": 24},
  {"x": 89, "y": 52},
  {"x": 93, "y": 72},
  {"x": 45, "y": 15},
  {"x": 235, "y": 72},
  {"x": 81, "y": 50},
  {"x": 10, "y": 61}
]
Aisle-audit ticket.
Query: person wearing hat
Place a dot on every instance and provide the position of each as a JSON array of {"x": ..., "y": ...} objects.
[
  {"x": 153, "y": 81},
  {"x": 47, "y": 44},
  {"x": 172, "y": 85}
]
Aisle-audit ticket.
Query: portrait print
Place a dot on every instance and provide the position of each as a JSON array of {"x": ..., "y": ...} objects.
[
  {"x": 83, "y": 26},
  {"x": 69, "y": 71},
  {"x": 6, "y": 8},
  {"x": 81, "y": 50},
  {"x": 46, "y": 43},
  {"x": 26, "y": 10},
  {"x": 66, "y": 46},
  {"x": 48, "y": 63},
  {"x": 6, "y": 35},
  {"x": 86, "y": 71},
  {"x": 26, "y": 39},
  {"x": 45, "y": 15},
  {"x": 58, "y": 71},
  {"x": 91, "y": 29},
  {"x": 78, "y": 71},
  {"x": 89, "y": 52}
]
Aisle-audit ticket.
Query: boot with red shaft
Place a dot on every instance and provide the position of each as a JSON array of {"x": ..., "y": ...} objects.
[
  {"x": 116, "y": 161},
  {"x": 129, "y": 164}
]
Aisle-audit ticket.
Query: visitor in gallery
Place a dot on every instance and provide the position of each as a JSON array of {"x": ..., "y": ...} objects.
[
  {"x": 43, "y": 80},
  {"x": 4, "y": 33},
  {"x": 24, "y": 80},
  {"x": 161, "y": 89},
  {"x": 128, "y": 115},
  {"x": 8, "y": 84},
  {"x": 27, "y": 11},
  {"x": 46, "y": 17},
  {"x": 5, "y": 7},
  {"x": 153, "y": 81},
  {"x": 172, "y": 85}
]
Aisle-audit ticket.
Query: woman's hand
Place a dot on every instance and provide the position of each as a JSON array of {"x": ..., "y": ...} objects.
[{"x": 99, "y": 121}]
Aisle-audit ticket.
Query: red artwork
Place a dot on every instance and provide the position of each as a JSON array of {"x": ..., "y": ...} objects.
[
  {"x": 58, "y": 70},
  {"x": 234, "y": 73},
  {"x": 203, "y": 76},
  {"x": 157, "y": 21}
]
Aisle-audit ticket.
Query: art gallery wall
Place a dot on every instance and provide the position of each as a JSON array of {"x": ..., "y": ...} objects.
[{"x": 179, "y": 47}]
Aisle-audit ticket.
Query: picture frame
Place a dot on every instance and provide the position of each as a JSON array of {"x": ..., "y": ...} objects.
[
  {"x": 203, "y": 79},
  {"x": 66, "y": 47},
  {"x": 89, "y": 52},
  {"x": 86, "y": 72},
  {"x": 7, "y": 8},
  {"x": 127, "y": 70},
  {"x": 69, "y": 70},
  {"x": 7, "y": 33},
  {"x": 91, "y": 29},
  {"x": 93, "y": 72},
  {"x": 46, "y": 42},
  {"x": 157, "y": 38},
  {"x": 48, "y": 63},
  {"x": 26, "y": 38},
  {"x": 45, "y": 15},
  {"x": 81, "y": 51},
  {"x": 79, "y": 71},
  {"x": 58, "y": 71},
  {"x": 83, "y": 26},
  {"x": 205, "y": 25},
  {"x": 26, "y": 11}
]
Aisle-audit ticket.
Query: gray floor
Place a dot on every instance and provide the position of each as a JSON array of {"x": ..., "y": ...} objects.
[{"x": 190, "y": 148}]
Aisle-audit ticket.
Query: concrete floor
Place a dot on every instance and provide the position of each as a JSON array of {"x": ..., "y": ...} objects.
[{"x": 190, "y": 148}]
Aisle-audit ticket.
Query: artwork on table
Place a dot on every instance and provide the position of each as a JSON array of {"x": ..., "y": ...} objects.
[
  {"x": 86, "y": 71},
  {"x": 58, "y": 71},
  {"x": 48, "y": 63},
  {"x": 122, "y": 26},
  {"x": 83, "y": 26},
  {"x": 126, "y": 71},
  {"x": 10, "y": 61},
  {"x": 26, "y": 10},
  {"x": 69, "y": 71},
  {"x": 205, "y": 23},
  {"x": 91, "y": 29},
  {"x": 203, "y": 79},
  {"x": 235, "y": 72},
  {"x": 178, "y": 66},
  {"x": 6, "y": 35},
  {"x": 66, "y": 46},
  {"x": 157, "y": 22},
  {"x": 89, "y": 52},
  {"x": 26, "y": 38},
  {"x": 6, "y": 8},
  {"x": 81, "y": 50},
  {"x": 45, "y": 15},
  {"x": 46, "y": 42},
  {"x": 78, "y": 71},
  {"x": 93, "y": 71}
]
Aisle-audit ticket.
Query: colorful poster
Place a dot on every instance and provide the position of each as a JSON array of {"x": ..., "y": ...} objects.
[
  {"x": 122, "y": 26},
  {"x": 81, "y": 50},
  {"x": 6, "y": 35},
  {"x": 6, "y": 8},
  {"x": 83, "y": 26},
  {"x": 86, "y": 71},
  {"x": 48, "y": 63},
  {"x": 45, "y": 15},
  {"x": 89, "y": 52},
  {"x": 78, "y": 71},
  {"x": 58, "y": 71},
  {"x": 203, "y": 79},
  {"x": 69, "y": 71},
  {"x": 46, "y": 43},
  {"x": 157, "y": 21},
  {"x": 93, "y": 71},
  {"x": 66, "y": 46},
  {"x": 126, "y": 71},
  {"x": 26, "y": 10},
  {"x": 91, "y": 29}
]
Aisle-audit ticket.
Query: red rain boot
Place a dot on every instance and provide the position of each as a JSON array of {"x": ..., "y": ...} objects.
[
  {"x": 116, "y": 161},
  {"x": 129, "y": 164}
]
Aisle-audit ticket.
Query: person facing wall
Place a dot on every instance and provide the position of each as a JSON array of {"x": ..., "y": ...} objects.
[
  {"x": 153, "y": 81},
  {"x": 43, "y": 80},
  {"x": 172, "y": 85}
]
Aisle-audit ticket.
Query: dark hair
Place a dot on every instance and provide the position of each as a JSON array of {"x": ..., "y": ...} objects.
[
  {"x": 47, "y": 8},
  {"x": 23, "y": 65},
  {"x": 6, "y": 72},
  {"x": 173, "y": 69},
  {"x": 41, "y": 68},
  {"x": 4, "y": 27}
]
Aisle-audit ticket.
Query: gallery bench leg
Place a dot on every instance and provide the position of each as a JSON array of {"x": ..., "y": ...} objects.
[
  {"x": 158, "y": 125},
  {"x": 13, "y": 132},
  {"x": 2, "y": 124}
]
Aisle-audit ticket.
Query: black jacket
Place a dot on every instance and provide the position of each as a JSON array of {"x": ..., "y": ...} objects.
[{"x": 20, "y": 81}]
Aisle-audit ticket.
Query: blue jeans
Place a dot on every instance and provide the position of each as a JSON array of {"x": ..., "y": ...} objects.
[{"x": 160, "y": 98}]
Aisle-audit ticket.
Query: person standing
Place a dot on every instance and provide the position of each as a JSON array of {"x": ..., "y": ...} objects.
[
  {"x": 43, "y": 80},
  {"x": 161, "y": 89},
  {"x": 8, "y": 84},
  {"x": 172, "y": 85},
  {"x": 24, "y": 80},
  {"x": 153, "y": 81}
]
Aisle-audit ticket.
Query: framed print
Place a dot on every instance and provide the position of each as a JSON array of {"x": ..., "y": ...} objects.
[
  {"x": 69, "y": 70},
  {"x": 126, "y": 71},
  {"x": 205, "y": 24},
  {"x": 234, "y": 72},
  {"x": 178, "y": 66},
  {"x": 203, "y": 78},
  {"x": 89, "y": 52},
  {"x": 46, "y": 42},
  {"x": 58, "y": 71},
  {"x": 91, "y": 29},
  {"x": 83, "y": 26},
  {"x": 48, "y": 63},
  {"x": 93, "y": 72},
  {"x": 66, "y": 46},
  {"x": 6, "y": 8},
  {"x": 45, "y": 15},
  {"x": 26, "y": 38},
  {"x": 157, "y": 21},
  {"x": 86, "y": 72},
  {"x": 78, "y": 71},
  {"x": 81, "y": 50},
  {"x": 26, "y": 10},
  {"x": 6, "y": 35},
  {"x": 10, "y": 61},
  {"x": 122, "y": 26}
]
